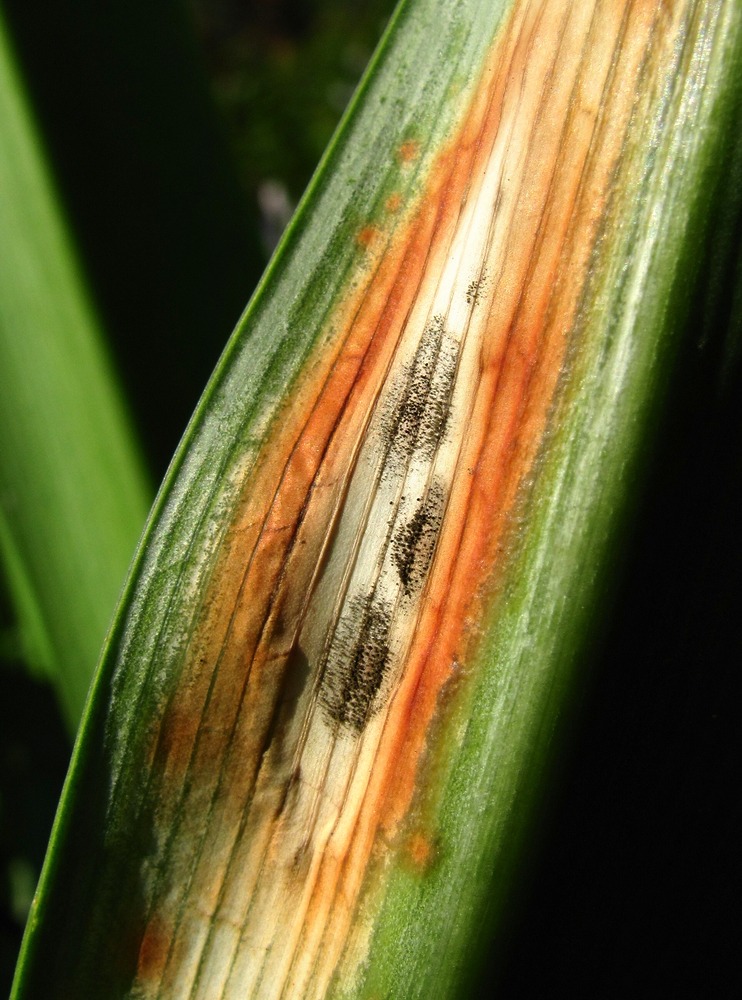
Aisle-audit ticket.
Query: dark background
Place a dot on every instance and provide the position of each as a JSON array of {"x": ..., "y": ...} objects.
[{"x": 179, "y": 135}]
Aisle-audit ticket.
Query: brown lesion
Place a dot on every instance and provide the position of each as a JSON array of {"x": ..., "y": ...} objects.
[
  {"x": 409, "y": 151},
  {"x": 154, "y": 949},
  {"x": 393, "y": 203},
  {"x": 369, "y": 236},
  {"x": 420, "y": 851}
]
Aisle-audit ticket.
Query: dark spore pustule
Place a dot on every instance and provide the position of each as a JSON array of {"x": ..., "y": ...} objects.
[
  {"x": 414, "y": 421},
  {"x": 357, "y": 663},
  {"x": 422, "y": 396},
  {"x": 413, "y": 544}
]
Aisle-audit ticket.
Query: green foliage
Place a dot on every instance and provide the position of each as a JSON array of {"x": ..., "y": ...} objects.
[{"x": 73, "y": 492}]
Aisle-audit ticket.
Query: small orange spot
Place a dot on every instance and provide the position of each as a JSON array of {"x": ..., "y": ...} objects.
[
  {"x": 153, "y": 950},
  {"x": 409, "y": 151},
  {"x": 420, "y": 851},
  {"x": 393, "y": 202},
  {"x": 367, "y": 236}
]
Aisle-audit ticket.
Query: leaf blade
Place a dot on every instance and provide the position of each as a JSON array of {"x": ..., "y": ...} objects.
[
  {"x": 176, "y": 738},
  {"x": 74, "y": 492}
]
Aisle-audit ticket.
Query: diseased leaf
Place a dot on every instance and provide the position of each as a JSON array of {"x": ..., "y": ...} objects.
[{"x": 326, "y": 706}]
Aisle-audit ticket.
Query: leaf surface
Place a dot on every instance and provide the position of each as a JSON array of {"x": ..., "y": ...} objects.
[{"x": 327, "y": 703}]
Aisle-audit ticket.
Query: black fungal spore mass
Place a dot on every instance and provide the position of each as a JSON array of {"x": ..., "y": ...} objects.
[
  {"x": 356, "y": 664},
  {"x": 359, "y": 659},
  {"x": 414, "y": 542},
  {"x": 422, "y": 396}
]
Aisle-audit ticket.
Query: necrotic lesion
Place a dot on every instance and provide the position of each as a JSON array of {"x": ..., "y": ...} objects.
[
  {"x": 422, "y": 396},
  {"x": 358, "y": 668},
  {"x": 413, "y": 544},
  {"x": 357, "y": 663}
]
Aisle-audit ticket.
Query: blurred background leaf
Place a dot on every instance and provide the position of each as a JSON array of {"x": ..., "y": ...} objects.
[{"x": 73, "y": 495}]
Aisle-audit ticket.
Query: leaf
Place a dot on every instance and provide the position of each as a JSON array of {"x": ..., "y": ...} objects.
[
  {"x": 73, "y": 496},
  {"x": 327, "y": 704},
  {"x": 170, "y": 244}
]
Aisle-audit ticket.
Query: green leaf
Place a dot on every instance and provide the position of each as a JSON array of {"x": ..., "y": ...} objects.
[
  {"x": 327, "y": 705},
  {"x": 73, "y": 496},
  {"x": 170, "y": 244}
]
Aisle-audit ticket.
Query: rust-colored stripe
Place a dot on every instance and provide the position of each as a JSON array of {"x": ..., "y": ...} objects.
[{"x": 292, "y": 746}]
